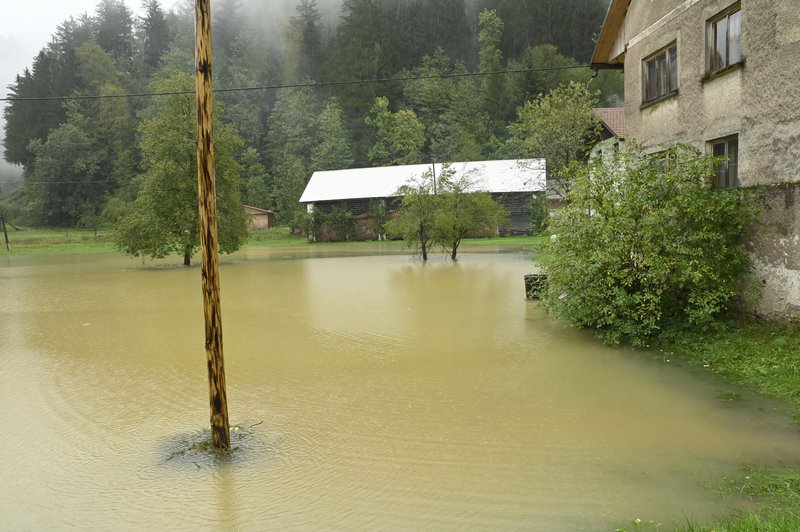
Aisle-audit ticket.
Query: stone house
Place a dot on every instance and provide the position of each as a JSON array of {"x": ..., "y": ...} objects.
[{"x": 723, "y": 76}]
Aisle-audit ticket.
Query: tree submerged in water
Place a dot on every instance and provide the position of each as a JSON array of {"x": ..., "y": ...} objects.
[
  {"x": 164, "y": 218},
  {"x": 646, "y": 241},
  {"x": 443, "y": 210}
]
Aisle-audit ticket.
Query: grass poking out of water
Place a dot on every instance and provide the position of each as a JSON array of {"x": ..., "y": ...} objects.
[
  {"x": 763, "y": 357},
  {"x": 772, "y": 497},
  {"x": 764, "y": 500}
]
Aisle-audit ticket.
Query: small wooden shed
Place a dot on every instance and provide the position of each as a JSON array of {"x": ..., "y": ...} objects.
[{"x": 260, "y": 218}]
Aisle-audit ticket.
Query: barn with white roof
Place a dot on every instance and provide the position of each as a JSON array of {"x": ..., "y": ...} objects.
[{"x": 512, "y": 183}]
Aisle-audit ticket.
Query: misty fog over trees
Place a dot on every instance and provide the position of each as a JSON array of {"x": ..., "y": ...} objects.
[{"x": 83, "y": 158}]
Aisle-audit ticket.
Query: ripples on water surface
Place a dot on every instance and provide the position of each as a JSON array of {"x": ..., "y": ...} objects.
[{"x": 369, "y": 393}]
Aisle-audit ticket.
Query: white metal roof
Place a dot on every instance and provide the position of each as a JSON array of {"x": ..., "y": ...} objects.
[{"x": 516, "y": 175}]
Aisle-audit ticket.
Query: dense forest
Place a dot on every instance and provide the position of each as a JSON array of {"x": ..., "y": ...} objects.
[{"x": 287, "y": 86}]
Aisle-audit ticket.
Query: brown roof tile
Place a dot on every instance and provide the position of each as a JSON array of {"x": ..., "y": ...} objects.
[{"x": 613, "y": 118}]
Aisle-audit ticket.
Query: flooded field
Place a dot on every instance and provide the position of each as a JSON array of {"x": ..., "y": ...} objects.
[{"x": 368, "y": 392}]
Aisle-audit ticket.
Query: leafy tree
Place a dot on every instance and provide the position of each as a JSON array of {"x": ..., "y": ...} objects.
[
  {"x": 463, "y": 211},
  {"x": 341, "y": 223},
  {"x": 164, "y": 218},
  {"x": 644, "y": 242},
  {"x": 464, "y": 133},
  {"x": 494, "y": 95},
  {"x": 415, "y": 221},
  {"x": 611, "y": 84},
  {"x": 399, "y": 137},
  {"x": 525, "y": 86},
  {"x": 294, "y": 125},
  {"x": 291, "y": 178},
  {"x": 108, "y": 123},
  {"x": 450, "y": 110},
  {"x": 333, "y": 151},
  {"x": 256, "y": 180},
  {"x": 249, "y": 111},
  {"x": 67, "y": 177},
  {"x": 539, "y": 212},
  {"x": 560, "y": 127},
  {"x": 378, "y": 210},
  {"x": 294, "y": 133},
  {"x": 96, "y": 68}
]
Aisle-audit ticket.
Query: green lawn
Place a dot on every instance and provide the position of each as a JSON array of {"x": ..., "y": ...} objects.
[{"x": 29, "y": 241}]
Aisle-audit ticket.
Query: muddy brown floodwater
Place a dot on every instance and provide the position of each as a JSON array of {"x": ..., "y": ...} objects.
[{"x": 368, "y": 393}]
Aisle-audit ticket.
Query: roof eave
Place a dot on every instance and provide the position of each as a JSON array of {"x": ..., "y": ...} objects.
[
  {"x": 607, "y": 66},
  {"x": 615, "y": 16}
]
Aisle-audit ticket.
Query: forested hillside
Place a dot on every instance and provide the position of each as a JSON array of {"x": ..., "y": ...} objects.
[{"x": 83, "y": 157}]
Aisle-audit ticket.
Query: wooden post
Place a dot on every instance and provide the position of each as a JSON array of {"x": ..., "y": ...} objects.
[
  {"x": 5, "y": 233},
  {"x": 207, "y": 203}
]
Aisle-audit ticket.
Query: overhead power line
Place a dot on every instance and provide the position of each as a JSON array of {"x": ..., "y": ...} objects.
[
  {"x": 309, "y": 84},
  {"x": 84, "y": 182}
]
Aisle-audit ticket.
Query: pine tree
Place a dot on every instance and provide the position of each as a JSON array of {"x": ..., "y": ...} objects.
[
  {"x": 305, "y": 36},
  {"x": 334, "y": 151},
  {"x": 114, "y": 31},
  {"x": 154, "y": 35}
]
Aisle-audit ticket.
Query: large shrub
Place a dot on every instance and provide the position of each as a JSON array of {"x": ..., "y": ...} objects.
[{"x": 645, "y": 240}]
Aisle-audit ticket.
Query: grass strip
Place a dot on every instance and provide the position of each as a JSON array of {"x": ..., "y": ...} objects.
[
  {"x": 764, "y": 357},
  {"x": 28, "y": 241},
  {"x": 761, "y": 356}
]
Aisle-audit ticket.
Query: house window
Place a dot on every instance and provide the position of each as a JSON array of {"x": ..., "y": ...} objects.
[
  {"x": 723, "y": 39},
  {"x": 661, "y": 73},
  {"x": 727, "y": 172}
]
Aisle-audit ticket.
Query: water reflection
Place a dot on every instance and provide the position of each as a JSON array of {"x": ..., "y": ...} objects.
[{"x": 372, "y": 392}]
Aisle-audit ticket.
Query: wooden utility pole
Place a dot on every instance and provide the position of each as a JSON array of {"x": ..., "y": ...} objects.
[{"x": 207, "y": 203}]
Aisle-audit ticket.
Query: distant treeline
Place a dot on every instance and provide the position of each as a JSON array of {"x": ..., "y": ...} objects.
[{"x": 80, "y": 154}]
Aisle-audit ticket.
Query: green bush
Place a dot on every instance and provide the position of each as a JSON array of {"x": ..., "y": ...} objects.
[
  {"x": 645, "y": 240},
  {"x": 302, "y": 222},
  {"x": 342, "y": 224},
  {"x": 539, "y": 212}
]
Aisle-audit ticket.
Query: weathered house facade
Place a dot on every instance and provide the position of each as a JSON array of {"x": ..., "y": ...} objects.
[
  {"x": 512, "y": 183},
  {"x": 723, "y": 76}
]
